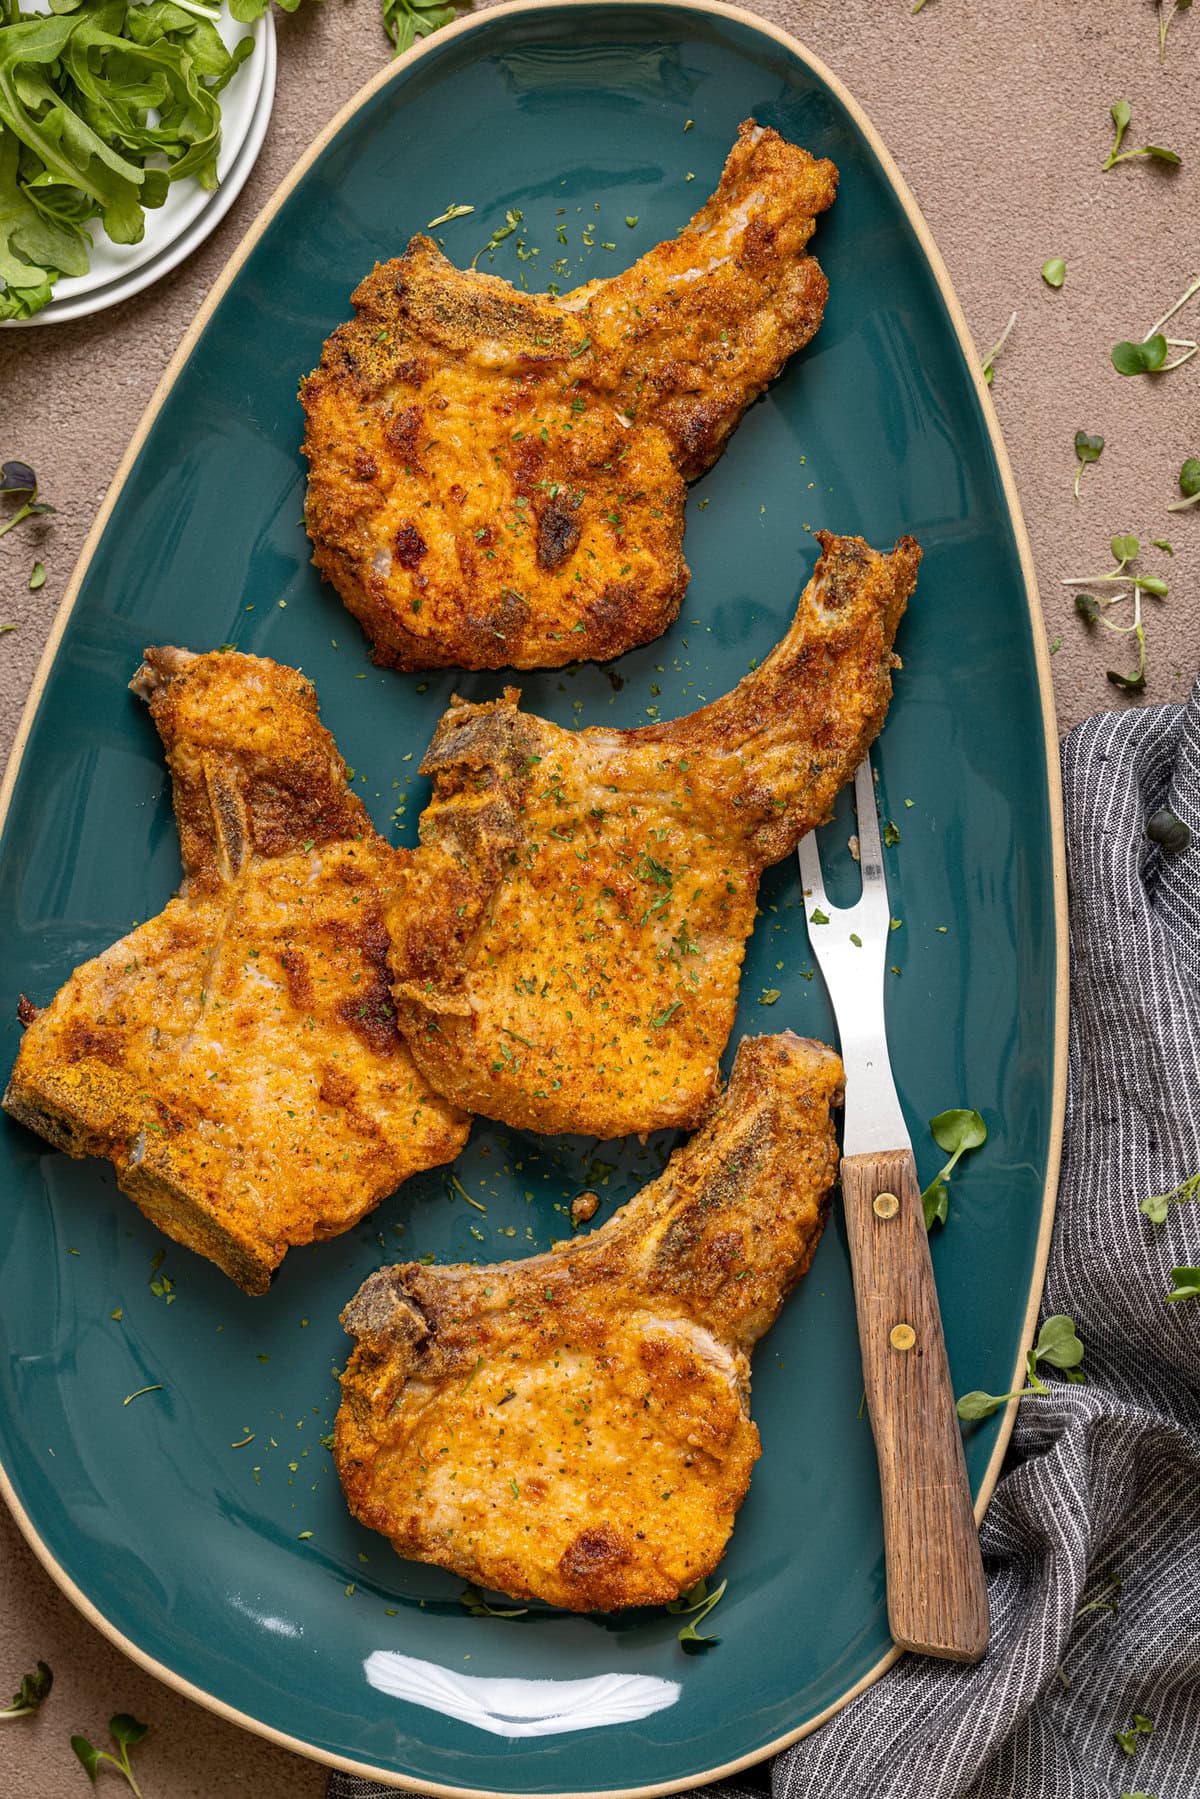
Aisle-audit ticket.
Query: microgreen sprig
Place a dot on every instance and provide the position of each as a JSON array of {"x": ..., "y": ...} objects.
[
  {"x": 1128, "y": 1739},
  {"x": 1054, "y": 272},
  {"x": 1087, "y": 449},
  {"x": 1122, "y": 112},
  {"x": 1092, "y": 607},
  {"x": 1057, "y": 1344},
  {"x": 1165, "y": 16},
  {"x": 989, "y": 361},
  {"x": 1185, "y": 1284},
  {"x": 1149, "y": 355},
  {"x": 18, "y": 479},
  {"x": 30, "y": 1694},
  {"x": 473, "y": 1601},
  {"x": 1157, "y": 1205},
  {"x": 956, "y": 1132},
  {"x": 125, "y": 1732},
  {"x": 697, "y": 1602},
  {"x": 1189, "y": 486}
]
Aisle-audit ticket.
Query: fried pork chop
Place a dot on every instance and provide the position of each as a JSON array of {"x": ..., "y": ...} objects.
[
  {"x": 497, "y": 479},
  {"x": 576, "y": 1427},
  {"x": 566, "y": 946},
  {"x": 237, "y": 1057}
]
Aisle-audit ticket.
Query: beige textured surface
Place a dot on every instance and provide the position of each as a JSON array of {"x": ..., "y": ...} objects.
[{"x": 998, "y": 118}]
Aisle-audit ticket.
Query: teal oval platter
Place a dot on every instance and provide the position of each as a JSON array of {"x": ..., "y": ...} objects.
[{"x": 201, "y": 1524}]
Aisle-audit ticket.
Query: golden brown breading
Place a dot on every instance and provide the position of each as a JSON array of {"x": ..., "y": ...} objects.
[
  {"x": 496, "y": 479},
  {"x": 567, "y": 943},
  {"x": 237, "y": 1058},
  {"x": 576, "y": 1427}
]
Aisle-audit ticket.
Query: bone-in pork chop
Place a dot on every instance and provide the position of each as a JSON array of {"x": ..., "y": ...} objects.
[
  {"x": 576, "y": 1427},
  {"x": 237, "y": 1057},
  {"x": 497, "y": 478},
  {"x": 566, "y": 945}
]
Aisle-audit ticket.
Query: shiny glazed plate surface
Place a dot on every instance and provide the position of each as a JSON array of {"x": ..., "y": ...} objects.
[{"x": 181, "y": 1522}]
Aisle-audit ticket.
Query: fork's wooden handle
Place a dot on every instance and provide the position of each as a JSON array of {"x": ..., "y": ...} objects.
[{"x": 937, "y": 1598}]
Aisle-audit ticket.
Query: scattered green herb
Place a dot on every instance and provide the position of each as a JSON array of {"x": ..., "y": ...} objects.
[
  {"x": 30, "y": 1693},
  {"x": 1087, "y": 449},
  {"x": 512, "y": 219},
  {"x": 956, "y": 1132},
  {"x": 452, "y": 212},
  {"x": 1157, "y": 1205},
  {"x": 1054, "y": 272},
  {"x": 1149, "y": 356},
  {"x": 473, "y": 1601},
  {"x": 17, "y": 478},
  {"x": 1189, "y": 486},
  {"x": 816, "y": 916},
  {"x": 989, "y": 361},
  {"x": 1057, "y": 1344},
  {"x": 125, "y": 1733},
  {"x": 1092, "y": 608},
  {"x": 768, "y": 996},
  {"x": 1128, "y": 1739},
  {"x": 1166, "y": 13},
  {"x": 1122, "y": 112},
  {"x": 1186, "y": 1284},
  {"x": 37, "y": 576},
  {"x": 1106, "y": 1600},
  {"x": 1169, "y": 832},
  {"x": 696, "y": 1602},
  {"x": 891, "y": 834},
  {"x": 1163, "y": 543},
  {"x": 406, "y": 20}
]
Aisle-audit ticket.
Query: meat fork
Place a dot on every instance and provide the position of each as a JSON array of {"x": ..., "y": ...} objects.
[{"x": 937, "y": 1598}]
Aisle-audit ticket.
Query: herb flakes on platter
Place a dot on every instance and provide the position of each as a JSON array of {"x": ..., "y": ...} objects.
[{"x": 78, "y": 89}]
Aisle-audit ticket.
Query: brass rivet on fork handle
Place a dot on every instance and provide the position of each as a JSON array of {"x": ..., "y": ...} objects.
[
  {"x": 885, "y": 1205},
  {"x": 902, "y": 1336}
]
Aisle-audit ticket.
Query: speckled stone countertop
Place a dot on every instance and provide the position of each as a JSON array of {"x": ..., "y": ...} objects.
[{"x": 998, "y": 118}]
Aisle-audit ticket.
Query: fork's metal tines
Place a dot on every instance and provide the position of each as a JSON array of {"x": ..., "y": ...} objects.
[{"x": 850, "y": 945}]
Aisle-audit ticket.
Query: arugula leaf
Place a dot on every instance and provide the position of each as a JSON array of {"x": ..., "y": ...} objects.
[
  {"x": 956, "y": 1132},
  {"x": 30, "y": 1694},
  {"x": 406, "y": 20}
]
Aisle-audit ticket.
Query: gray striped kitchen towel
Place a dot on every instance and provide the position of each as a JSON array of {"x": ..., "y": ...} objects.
[{"x": 1102, "y": 1482}]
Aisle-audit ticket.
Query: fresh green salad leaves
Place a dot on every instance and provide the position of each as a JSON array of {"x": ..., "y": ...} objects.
[
  {"x": 407, "y": 20},
  {"x": 103, "y": 105},
  {"x": 955, "y": 1132},
  {"x": 125, "y": 1732},
  {"x": 29, "y": 1695},
  {"x": 1057, "y": 1344}
]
